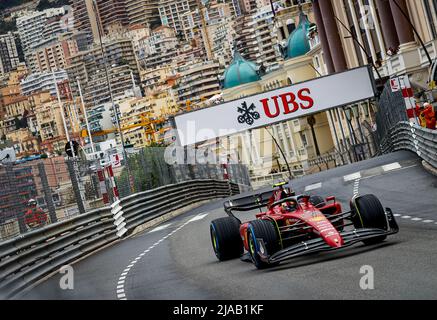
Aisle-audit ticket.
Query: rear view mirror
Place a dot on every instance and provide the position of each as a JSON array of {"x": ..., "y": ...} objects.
[{"x": 330, "y": 199}]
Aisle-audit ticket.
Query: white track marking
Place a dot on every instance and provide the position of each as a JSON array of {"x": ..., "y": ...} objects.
[
  {"x": 198, "y": 217},
  {"x": 415, "y": 219},
  {"x": 352, "y": 177},
  {"x": 313, "y": 187},
  {"x": 357, "y": 187},
  {"x": 165, "y": 226},
  {"x": 121, "y": 294},
  {"x": 391, "y": 167}
]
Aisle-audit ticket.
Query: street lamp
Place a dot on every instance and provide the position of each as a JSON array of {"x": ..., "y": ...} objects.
[{"x": 312, "y": 122}]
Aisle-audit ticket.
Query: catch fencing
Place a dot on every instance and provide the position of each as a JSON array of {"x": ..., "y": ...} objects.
[
  {"x": 396, "y": 132},
  {"x": 408, "y": 136},
  {"x": 66, "y": 188}
]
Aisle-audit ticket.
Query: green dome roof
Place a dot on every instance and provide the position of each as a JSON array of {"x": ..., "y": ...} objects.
[
  {"x": 241, "y": 71},
  {"x": 298, "y": 43}
]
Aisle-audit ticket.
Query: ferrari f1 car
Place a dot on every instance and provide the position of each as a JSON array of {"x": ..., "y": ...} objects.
[{"x": 294, "y": 226}]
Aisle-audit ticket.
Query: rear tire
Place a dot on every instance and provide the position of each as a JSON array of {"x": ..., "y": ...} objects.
[
  {"x": 265, "y": 230},
  {"x": 368, "y": 212},
  {"x": 226, "y": 239}
]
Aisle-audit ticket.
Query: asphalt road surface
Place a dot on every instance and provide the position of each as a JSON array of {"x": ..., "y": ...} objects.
[{"x": 176, "y": 260}]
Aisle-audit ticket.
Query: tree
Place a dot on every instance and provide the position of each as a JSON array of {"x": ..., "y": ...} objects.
[
  {"x": 7, "y": 26},
  {"x": 11, "y": 3},
  {"x": 46, "y": 4}
]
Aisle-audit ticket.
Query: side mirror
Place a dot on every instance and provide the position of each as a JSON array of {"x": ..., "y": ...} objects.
[{"x": 330, "y": 199}]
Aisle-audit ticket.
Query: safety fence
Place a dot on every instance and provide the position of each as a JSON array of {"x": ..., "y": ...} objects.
[
  {"x": 56, "y": 185},
  {"x": 29, "y": 258},
  {"x": 408, "y": 136},
  {"x": 65, "y": 188}
]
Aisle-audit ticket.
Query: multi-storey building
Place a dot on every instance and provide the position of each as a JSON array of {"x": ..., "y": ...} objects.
[
  {"x": 25, "y": 142},
  {"x": 86, "y": 19},
  {"x": 268, "y": 53},
  {"x": 144, "y": 12},
  {"x": 52, "y": 56},
  {"x": 37, "y": 82},
  {"x": 136, "y": 33},
  {"x": 158, "y": 49},
  {"x": 9, "y": 59},
  {"x": 171, "y": 12},
  {"x": 30, "y": 29},
  {"x": 244, "y": 42},
  {"x": 33, "y": 27},
  {"x": 202, "y": 26},
  {"x": 89, "y": 68},
  {"x": 50, "y": 127},
  {"x": 256, "y": 38},
  {"x": 198, "y": 82},
  {"x": 112, "y": 12}
]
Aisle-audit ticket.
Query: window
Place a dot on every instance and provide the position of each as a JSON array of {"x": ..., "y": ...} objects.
[
  {"x": 304, "y": 139},
  {"x": 430, "y": 17},
  {"x": 316, "y": 62}
]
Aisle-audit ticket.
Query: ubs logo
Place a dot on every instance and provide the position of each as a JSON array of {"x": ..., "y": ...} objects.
[{"x": 248, "y": 114}]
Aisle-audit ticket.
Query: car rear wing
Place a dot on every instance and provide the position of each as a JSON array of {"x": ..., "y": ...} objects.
[{"x": 248, "y": 203}]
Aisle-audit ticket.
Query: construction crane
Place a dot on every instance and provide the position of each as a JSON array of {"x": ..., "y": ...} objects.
[{"x": 148, "y": 123}]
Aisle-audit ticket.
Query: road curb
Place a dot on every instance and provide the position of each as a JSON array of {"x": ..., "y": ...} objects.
[{"x": 429, "y": 168}]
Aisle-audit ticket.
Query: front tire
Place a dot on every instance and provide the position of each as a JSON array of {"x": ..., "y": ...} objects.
[
  {"x": 226, "y": 239},
  {"x": 368, "y": 212},
  {"x": 265, "y": 230}
]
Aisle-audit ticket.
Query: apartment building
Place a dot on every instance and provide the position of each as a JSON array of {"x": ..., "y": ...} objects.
[
  {"x": 171, "y": 11},
  {"x": 9, "y": 59},
  {"x": 86, "y": 19},
  {"x": 43, "y": 81},
  {"x": 158, "y": 49},
  {"x": 267, "y": 51},
  {"x": 198, "y": 82},
  {"x": 143, "y": 12},
  {"x": 112, "y": 12},
  {"x": 89, "y": 68},
  {"x": 50, "y": 127},
  {"x": 54, "y": 55},
  {"x": 33, "y": 27}
]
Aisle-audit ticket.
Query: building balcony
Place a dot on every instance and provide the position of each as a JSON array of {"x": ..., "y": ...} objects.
[
  {"x": 410, "y": 58},
  {"x": 314, "y": 42}
]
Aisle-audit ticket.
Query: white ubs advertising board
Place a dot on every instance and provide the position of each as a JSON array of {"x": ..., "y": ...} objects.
[{"x": 280, "y": 105}]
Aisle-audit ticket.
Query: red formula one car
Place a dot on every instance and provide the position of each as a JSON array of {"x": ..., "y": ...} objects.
[{"x": 297, "y": 225}]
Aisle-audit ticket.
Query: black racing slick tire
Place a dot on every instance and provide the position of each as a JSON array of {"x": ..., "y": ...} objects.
[
  {"x": 317, "y": 201},
  {"x": 226, "y": 239},
  {"x": 368, "y": 212},
  {"x": 266, "y": 231}
]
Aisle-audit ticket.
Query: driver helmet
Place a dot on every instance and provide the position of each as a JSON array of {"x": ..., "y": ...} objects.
[{"x": 32, "y": 202}]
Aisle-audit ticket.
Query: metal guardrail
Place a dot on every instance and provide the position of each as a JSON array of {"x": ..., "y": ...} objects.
[
  {"x": 29, "y": 258},
  {"x": 408, "y": 136}
]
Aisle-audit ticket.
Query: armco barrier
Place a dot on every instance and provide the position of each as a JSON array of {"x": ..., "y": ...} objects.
[
  {"x": 408, "y": 136},
  {"x": 29, "y": 258}
]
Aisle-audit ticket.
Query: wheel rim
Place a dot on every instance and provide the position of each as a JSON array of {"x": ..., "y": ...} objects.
[
  {"x": 214, "y": 239},
  {"x": 251, "y": 245}
]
